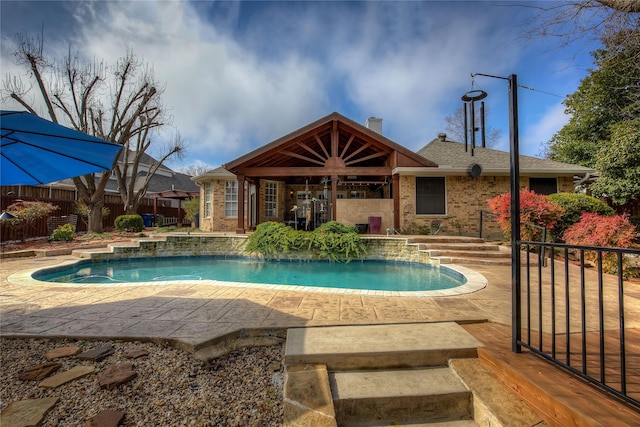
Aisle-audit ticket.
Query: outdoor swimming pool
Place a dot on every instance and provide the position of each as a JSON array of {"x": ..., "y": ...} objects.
[{"x": 362, "y": 275}]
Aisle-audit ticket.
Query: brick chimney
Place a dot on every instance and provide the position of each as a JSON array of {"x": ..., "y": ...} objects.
[{"x": 374, "y": 124}]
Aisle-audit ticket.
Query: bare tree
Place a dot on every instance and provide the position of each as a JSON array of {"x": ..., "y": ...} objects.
[
  {"x": 455, "y": 127},
  {"x": 592, "y": 20},
  {"x": 119, "y": 103},
  {"x": 195, "y": 169}
]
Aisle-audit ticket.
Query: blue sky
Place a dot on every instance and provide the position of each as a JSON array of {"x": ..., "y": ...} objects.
[{"x": 238, "y": 75}]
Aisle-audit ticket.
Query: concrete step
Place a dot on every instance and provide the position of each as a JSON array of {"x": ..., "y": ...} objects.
[
  {"x": 479, "y": 261},
  {"x": 489, "y": 247},
  {"x": 396, "y": 396},
  {"x": 459, "y": 423},
  {"x": 379, "y": 346},
  {"x": 444, "y": 239},
  {"x": 468, "y": 253}
]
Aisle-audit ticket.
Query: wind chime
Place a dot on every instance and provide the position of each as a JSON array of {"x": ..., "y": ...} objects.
[{"x": 469, "y": 100}]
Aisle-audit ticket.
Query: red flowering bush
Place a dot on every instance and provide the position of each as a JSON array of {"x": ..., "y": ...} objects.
[
  {"x": 534, "y": 209},
  {"x": 604, "y": 231}
]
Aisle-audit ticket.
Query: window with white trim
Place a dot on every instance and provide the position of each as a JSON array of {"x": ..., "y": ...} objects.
[
  {"x": 430, "y": 195},
  {"x": 271, "y": 199},
  {"x": 207, "y": 200},
  {"x": 231, "y": 199}
]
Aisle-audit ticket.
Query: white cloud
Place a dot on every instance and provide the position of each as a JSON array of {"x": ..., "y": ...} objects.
[
  {"x": 223, "y": 97},
  {"x": 239, "y": 75},
  {"x": 538, "y": 134}
]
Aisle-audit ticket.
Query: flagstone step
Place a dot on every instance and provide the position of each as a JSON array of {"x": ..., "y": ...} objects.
[
  {"x": 399, "y": 396},
  {"x": 485, "y": 247},
  {"x": 468, "y": 253},
  {"x": 458, "y": 423},
  {"x": 379, "y": 346},
  {"x": 445, "y": 239}
]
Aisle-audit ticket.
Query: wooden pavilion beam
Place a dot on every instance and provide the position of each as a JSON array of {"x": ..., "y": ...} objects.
[
  {"x": 311, "y": 150},
  {"x": 364, "y": 147},
  {"x": 346, "y": 147},
  {"x": 300, "y": 156},
  {"x": 319, "y": 141},
  {"x": 362, "y": 159},
  {"x": 314, "y": 171}
]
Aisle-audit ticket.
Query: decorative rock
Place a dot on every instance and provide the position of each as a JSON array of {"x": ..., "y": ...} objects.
[
  {"x": 97, "y": 354},
  {"x": 62, "y": 352},
  {"x": 65, "y": 377},
  {"x": 38, "y": 372},
  {"x": 135, "y": 352},
  {"x": 114, "y": 375},
  {"x": 105, "y": 418},
  {"x": 24, "y": 413}
]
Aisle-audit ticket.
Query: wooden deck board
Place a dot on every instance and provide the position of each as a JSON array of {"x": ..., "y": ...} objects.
[{"x": 560, "y": 397}]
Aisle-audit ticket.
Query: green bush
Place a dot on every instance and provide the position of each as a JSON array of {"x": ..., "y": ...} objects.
[
  {"x": 332, "y": 240},
  {"x": 191, "y": 208},
  {"x": 574, "y": 205},
  {"x": 273, "y": 238},
  {"x": 129, "y": 223},
  {"x": 64, "y": 233},
  {"x": 338, "y": 242}
]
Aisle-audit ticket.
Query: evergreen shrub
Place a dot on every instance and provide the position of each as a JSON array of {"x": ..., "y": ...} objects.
[{"x": 130, "y": 223}]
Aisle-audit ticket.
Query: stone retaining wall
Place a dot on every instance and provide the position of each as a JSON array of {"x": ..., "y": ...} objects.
[{"x": 391, "y": 249}]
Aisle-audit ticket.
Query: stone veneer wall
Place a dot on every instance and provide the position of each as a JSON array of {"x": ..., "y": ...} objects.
[
  {"x": 391, "y": 249},
  {"x": 466, "y": 197}
]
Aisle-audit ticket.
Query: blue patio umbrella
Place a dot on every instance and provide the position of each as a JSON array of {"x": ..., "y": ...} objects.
[{"x": 36, "y": 151}]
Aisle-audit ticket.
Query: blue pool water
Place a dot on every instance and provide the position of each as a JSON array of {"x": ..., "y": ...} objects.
[{"x": 370, "y": 275}]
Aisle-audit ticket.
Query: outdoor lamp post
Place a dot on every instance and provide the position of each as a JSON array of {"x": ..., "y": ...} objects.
[{"x": 516, "y": 285}]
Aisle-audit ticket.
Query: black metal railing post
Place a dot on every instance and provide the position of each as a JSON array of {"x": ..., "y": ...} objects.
[
  {"x": 595, "y": 347},
  {"x": 516, "y": 285}
]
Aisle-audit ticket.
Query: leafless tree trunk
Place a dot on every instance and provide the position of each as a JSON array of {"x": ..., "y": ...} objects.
[
  {"x": 455, "y": 127},
  {"x": 119, "y": 103}
]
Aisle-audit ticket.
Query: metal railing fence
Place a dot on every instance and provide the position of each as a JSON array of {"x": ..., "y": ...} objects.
[{"x": 573, "y": 313}]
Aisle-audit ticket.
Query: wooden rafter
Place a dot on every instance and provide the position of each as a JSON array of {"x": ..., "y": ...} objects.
[
  {"x": 314, "y": 171},
  {"x": 362, "y": 159},
  {"x": 319, "y": 141},
  {"x": 365, "y": 146},
  {"x": 300, "y": 156},
  {"x": 312, "y": 151},
  {"x": 346, "y": 147}
]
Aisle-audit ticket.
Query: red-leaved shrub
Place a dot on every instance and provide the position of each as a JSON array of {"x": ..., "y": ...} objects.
[
  {"x": 534, "y": 209},
  {"x": 603, "y": 231}
]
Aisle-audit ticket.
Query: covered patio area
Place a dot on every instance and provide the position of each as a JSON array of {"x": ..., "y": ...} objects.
[{"x": 331, "y": 169}]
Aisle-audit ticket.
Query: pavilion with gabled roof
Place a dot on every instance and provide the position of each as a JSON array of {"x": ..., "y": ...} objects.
[{"x": 335, "y": 151}]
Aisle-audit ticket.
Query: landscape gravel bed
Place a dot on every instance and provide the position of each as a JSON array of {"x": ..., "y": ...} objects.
[{"x": 172, "y": 388}]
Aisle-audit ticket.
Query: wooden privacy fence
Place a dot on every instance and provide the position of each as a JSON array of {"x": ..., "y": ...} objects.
[{"x": 65, "y": 200}]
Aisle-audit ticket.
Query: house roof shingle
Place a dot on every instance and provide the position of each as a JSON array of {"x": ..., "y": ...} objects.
[{"x": 451, "y": 155}]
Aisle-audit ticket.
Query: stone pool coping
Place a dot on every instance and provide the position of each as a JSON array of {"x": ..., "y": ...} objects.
[{"x": 475, "y": 282}]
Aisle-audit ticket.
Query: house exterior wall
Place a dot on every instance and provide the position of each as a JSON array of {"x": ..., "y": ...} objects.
[
  {"x": 465, "y": 198},
  {"x": 217, "y": 220}
]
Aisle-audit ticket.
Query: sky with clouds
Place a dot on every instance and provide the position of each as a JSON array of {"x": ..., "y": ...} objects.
[{"x": 238, "y": 75}]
